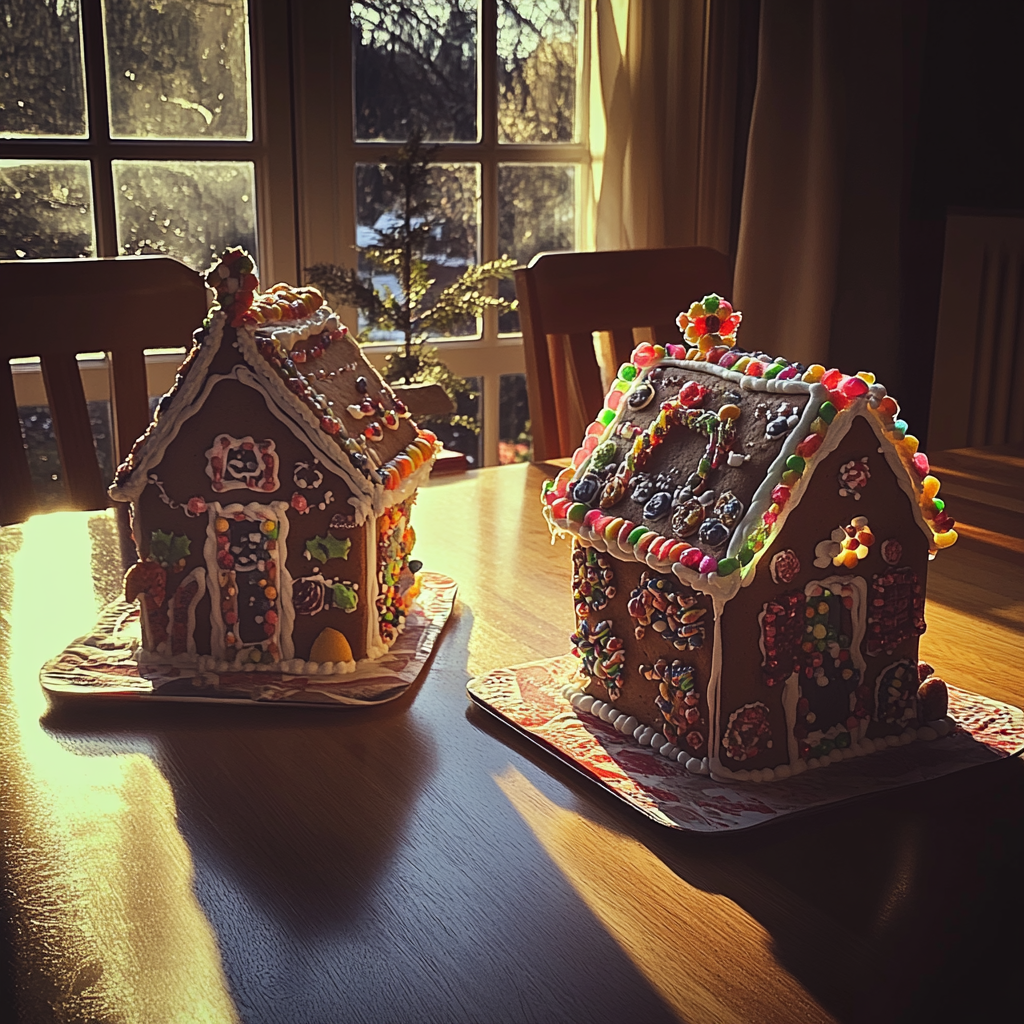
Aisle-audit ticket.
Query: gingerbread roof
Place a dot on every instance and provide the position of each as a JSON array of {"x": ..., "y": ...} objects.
[
  {"x": 290, "y": 346},
  {"x": 702, "y": 451}
]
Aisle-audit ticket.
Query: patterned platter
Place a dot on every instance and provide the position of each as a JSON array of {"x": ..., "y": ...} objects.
[
  {"x": 529, "y": 698},
  {"x": 104, "y": 665}
]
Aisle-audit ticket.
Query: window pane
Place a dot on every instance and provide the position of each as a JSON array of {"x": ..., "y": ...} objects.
[
  {"x": 191, "y": 210},
  {"x": 537, "y": 70},
  {"x": 46, "y": 209},
  {"x": 415, "y": 69},
  {"x": 450, "y": 204},
  {"x": 42, "y": 77},
  {"x": 536, "y": 213},
  {"x": 178, "y": 69},
  {"x": 514, "y": 439}
]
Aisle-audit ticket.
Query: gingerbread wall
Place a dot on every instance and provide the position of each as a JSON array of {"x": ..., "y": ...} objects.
[{"x": 843, "y": 487}]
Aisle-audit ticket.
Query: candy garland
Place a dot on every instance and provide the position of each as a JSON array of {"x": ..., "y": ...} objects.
[
  {"x": 593, "y": 580},
  {"x": 655, "y": 604},
  {"x": 601, "y": 655},
  {"x": 843, "y": 390},
  {"x": 679, "y": 703}
]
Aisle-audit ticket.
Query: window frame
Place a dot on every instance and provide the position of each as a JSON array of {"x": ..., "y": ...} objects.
[{"x": 323, "y": 34}]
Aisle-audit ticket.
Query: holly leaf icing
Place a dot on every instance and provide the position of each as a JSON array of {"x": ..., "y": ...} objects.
[
  {"x": 323, "y": 548},
  {"x": 169, "y": 548}
]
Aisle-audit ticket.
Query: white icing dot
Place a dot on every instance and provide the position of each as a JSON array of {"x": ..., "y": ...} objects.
[
  {"x": 597, "y": 707},
  {"x": 645, "y": 736},
  {"x": 638, "y": 732},
  {"x": 609, "y": 713},
  {"x": 783, "y": 771},
  {"x": 908, "y": 736},
  {"x": 656, "y": 740},
  {"x": 835, "y": 755},
  {"x": 892, "y": 741},
  {"x": 799, "y": 768},
  {"x": 812, "y": 762},
  {"x": 669, "y": 750},
  {"x": 755, "y": 775},
  {"x": 693, "y": 764},
  {"x": 327, "y": 668},
  {"x": 926, "y": 732},
  {"x": 312, "y": 667},
  {"x": 586, "y": 702},
  {"x": 629, "y": 725}
]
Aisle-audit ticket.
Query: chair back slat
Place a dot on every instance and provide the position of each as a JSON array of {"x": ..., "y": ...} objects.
[
  {"x": 16, "y": 495},
  {"x": 129, "y": 397},
  {"x": 575, "y": 294},
  {"x": 122, "y": 306},
  {"x": 73, "y": 430}
]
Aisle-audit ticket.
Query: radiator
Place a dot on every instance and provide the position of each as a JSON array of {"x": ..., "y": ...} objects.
[{"x": 979, "y": 352}]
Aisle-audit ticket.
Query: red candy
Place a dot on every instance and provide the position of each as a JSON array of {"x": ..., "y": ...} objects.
[
  {"x": 691, "y": 557},
  {"x": 921, "y": 465},
  {"x": 854, "y": 387},
  {"x": 809, "y": 445},
  {"x": 780, "y": 495},
  {"x": 832, "y": 379},
  {"x": 644, "y": 354},
  {"x": 691, "y": 393}
]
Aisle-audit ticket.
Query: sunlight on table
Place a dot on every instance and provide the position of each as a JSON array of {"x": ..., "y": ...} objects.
[{"x": 94, "y": 840}]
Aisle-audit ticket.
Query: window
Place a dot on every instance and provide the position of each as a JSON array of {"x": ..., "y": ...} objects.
[
  {"x": 126, "y": 127},
  {"x": 497, "y": 86},
  {"x": 186, "y": 126}
]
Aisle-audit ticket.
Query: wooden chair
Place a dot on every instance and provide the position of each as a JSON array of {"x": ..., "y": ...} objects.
[
  {"x": 56, "y": 309},
  {"x": 565, "y": 297}
]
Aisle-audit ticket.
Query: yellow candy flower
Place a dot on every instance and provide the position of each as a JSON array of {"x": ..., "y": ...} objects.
[{"x": 709, "y": 323}]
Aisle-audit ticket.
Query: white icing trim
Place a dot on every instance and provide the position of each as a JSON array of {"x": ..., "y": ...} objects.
[{"x": 289, "y": 333}]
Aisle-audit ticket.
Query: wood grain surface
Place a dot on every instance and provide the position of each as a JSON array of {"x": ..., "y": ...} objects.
[{"x": 421, "y": 862}]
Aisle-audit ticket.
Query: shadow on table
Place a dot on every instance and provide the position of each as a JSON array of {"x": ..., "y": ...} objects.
[
  {"x": 300, "y": 808},
  {"x": 899, "y": 906}
]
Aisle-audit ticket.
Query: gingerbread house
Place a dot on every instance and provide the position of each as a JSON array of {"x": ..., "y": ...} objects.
[
  {"x": 750, "y": 546},
  {"x": 270, "y": 495}
]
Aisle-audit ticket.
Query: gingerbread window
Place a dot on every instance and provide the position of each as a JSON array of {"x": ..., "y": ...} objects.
[{"x": 896, "y": 610}]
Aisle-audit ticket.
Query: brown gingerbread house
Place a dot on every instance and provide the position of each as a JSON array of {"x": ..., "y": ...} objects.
[
  {"x": 750, "y": 547},
  {"x": 270, "y": 496}
]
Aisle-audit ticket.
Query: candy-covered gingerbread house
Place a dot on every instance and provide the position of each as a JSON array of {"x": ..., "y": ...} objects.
[
  {"x": 750, "y": 547},
  {"x": 270, "y": 495}
]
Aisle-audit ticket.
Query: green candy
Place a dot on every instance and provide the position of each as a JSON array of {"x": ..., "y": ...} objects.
[
  {"x": 602, "y": 455},
  {"x": 605, "y": 417},
  {"x": 345, "y": 597},
  {"x": 635, "y": 535},
  {"x": 796, "y": 463},
  {"x": 727, "y": 566},
  {"x": 745, "y": 554},
  {"x": 843, "y": 740},
  {"x": 772, "y": 371},
  {"x": 710, "y": 303},
  {"x": 577, "y": 512},
  {"x": 627, "y": 371},
  {"x": 704, "y": 467},
  {"x": 938, "y": 504},
  {"x": 827, "y": 411}
]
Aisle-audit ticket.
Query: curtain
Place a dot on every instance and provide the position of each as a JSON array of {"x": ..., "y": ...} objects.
[
  {"x": 663, "y": 101},
  {"x": 818, "y": 260}
]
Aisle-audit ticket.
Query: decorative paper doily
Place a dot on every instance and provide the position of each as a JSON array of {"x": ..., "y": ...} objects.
[
  {"x": 529, "y": 698},
  {"x": 104, "y": 665}
]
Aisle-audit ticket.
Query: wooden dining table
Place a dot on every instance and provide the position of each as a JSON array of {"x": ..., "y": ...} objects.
[{"x": 422, "y": 861}]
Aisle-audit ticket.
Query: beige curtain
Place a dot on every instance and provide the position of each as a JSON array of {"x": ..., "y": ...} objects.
[{"x": 661, "y": 123}]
